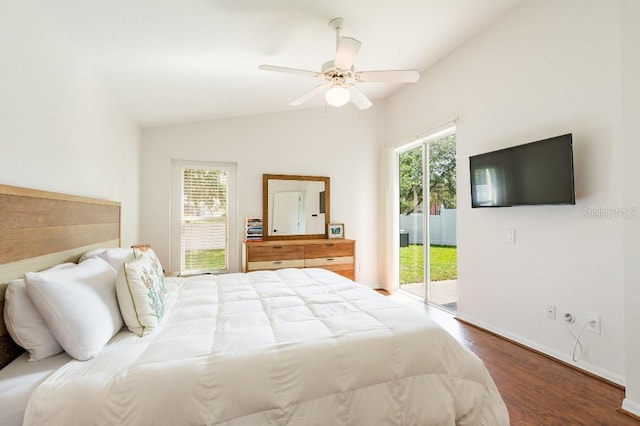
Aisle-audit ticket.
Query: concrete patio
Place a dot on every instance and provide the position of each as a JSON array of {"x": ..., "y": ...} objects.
[{"x": 442, "y": 292}]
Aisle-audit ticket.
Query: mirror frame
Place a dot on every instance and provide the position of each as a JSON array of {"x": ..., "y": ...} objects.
[{"x": 265, "y": 206}]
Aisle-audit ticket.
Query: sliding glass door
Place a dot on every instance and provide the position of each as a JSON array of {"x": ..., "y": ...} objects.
[
  {"x": 413, "y": 233},
  {"x": 427, "y": 218}
]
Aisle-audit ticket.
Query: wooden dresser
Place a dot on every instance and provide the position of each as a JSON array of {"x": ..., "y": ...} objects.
[{"x": 336, "y": 255}]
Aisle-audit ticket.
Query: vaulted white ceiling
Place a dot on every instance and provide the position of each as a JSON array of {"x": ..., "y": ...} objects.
[{"x": 175, "y": 61}]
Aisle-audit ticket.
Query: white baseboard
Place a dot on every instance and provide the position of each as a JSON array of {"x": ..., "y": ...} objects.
[
  {"x": 581, "y": 365},
  {"x": 631, "y": 407}
]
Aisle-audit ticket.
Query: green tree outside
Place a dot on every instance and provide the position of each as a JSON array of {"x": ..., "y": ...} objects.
[
  {"x": 442, "y": 176},
  {"x": 442, "y": 172}
]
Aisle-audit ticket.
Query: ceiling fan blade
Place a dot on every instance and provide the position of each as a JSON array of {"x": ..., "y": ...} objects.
[
  {"x": 346, "y": 52},
  {"x": 311, "y": 93},
  {"x": 290, "y": 70},
  {"x": 358, "y": 98},
  {"x": 390, "y": 76}
]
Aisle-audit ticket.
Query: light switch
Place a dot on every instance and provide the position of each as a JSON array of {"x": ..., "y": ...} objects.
[{"x": 510, "y": 236}]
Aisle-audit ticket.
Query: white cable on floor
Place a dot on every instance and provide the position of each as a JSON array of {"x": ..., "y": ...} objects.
[{"x": 577, "y": 344}]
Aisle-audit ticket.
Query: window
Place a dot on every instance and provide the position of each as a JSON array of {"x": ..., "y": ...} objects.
[{"x": 204, "y": 218}]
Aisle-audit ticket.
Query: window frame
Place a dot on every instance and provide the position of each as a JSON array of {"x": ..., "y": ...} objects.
[{"x": 177, "y": 166}]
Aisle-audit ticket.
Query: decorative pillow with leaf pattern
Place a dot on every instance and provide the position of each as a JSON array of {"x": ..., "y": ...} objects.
[
  {"x": 141, "y": 289},
  {"x": 157, "y": 265}
]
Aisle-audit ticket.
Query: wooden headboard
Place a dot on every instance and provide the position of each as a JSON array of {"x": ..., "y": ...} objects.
[{"x": 39, "y": 229}]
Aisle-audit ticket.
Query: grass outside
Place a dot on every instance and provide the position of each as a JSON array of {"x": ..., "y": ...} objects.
[
  {"x": 198, "y": 260},
  {"x": 444, "y": 263}
]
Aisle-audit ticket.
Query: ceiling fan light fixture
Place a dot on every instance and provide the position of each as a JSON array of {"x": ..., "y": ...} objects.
[{"x": 337, "y": 95}]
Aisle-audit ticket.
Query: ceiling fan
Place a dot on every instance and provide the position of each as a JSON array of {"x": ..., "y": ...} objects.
[{"x": 340, "y": 75}]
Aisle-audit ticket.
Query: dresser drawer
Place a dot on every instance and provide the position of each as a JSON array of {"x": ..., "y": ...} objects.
[
  {"x": 275, "y": 252},
  {"x": 275, "y": 264},
  {"x": 343, "y": 265},
  {"x": 329, "y": 249},
  {"x": 344, "y": 269},
  {"x": 337, "y": 256},
  {"x": 321, "y": 262}
]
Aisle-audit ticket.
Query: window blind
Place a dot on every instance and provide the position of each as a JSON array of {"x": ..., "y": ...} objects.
[{"x": 204, "y": 223}]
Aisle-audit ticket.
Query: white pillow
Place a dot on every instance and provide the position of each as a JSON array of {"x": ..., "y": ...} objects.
[
  {"x": 117, "y": 256},
  {"x": 91, "y": 253},
  {"x": 25, "y": 324},
  {"x": 141, "y": 289},
  {"x": 79, "y": 305}
]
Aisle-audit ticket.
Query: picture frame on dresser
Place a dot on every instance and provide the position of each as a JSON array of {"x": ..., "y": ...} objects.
[{"x": 335, "y": 230}]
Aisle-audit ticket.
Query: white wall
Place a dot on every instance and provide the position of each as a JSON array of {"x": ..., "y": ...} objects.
[
  {"x": 548, "y": 68},
  {"x": 343, "y": 144},
  {"x": 631, "y": 126},
  {"x": 59, "y": 130}
]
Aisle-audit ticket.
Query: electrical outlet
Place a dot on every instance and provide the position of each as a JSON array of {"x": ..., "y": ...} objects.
[
  {"x": 510, "y": 236},
  {"x": 593, "y": 327},
  {"x": 551, "y": 312},
  {"x": 569, "y": 317}
]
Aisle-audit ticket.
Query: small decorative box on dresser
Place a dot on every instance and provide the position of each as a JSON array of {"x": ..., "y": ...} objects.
[{"x": 336, "y": 255}]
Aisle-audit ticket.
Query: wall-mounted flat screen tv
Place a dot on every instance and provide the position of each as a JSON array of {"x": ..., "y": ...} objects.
[{"x": 534, "y": 173}]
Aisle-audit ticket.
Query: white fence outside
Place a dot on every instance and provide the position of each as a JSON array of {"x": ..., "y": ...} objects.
[{"x": 442, "y": 228}]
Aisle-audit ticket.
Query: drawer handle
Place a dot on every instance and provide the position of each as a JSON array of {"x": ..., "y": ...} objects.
[
  {"x": 329, "y": 245},
  {"x": 277, "y": 247},
  {"x": 277, "y": 262},
  {"x": 330, "y": 259}
]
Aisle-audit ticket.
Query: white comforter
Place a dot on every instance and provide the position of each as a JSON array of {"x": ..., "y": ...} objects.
[{"x": 288, "y": 347}]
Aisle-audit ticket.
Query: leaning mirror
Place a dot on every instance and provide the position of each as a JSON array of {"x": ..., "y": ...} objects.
[{"x": 295, "y": 207}]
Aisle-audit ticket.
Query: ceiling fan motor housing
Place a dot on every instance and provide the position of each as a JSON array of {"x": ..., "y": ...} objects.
[{"x": 330, "y": 71}]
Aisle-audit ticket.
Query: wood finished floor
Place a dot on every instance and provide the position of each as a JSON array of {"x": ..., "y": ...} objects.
[{"x": 537, "y": 390}]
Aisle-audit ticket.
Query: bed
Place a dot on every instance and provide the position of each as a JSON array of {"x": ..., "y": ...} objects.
[{"x": 286, "y": 347}]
